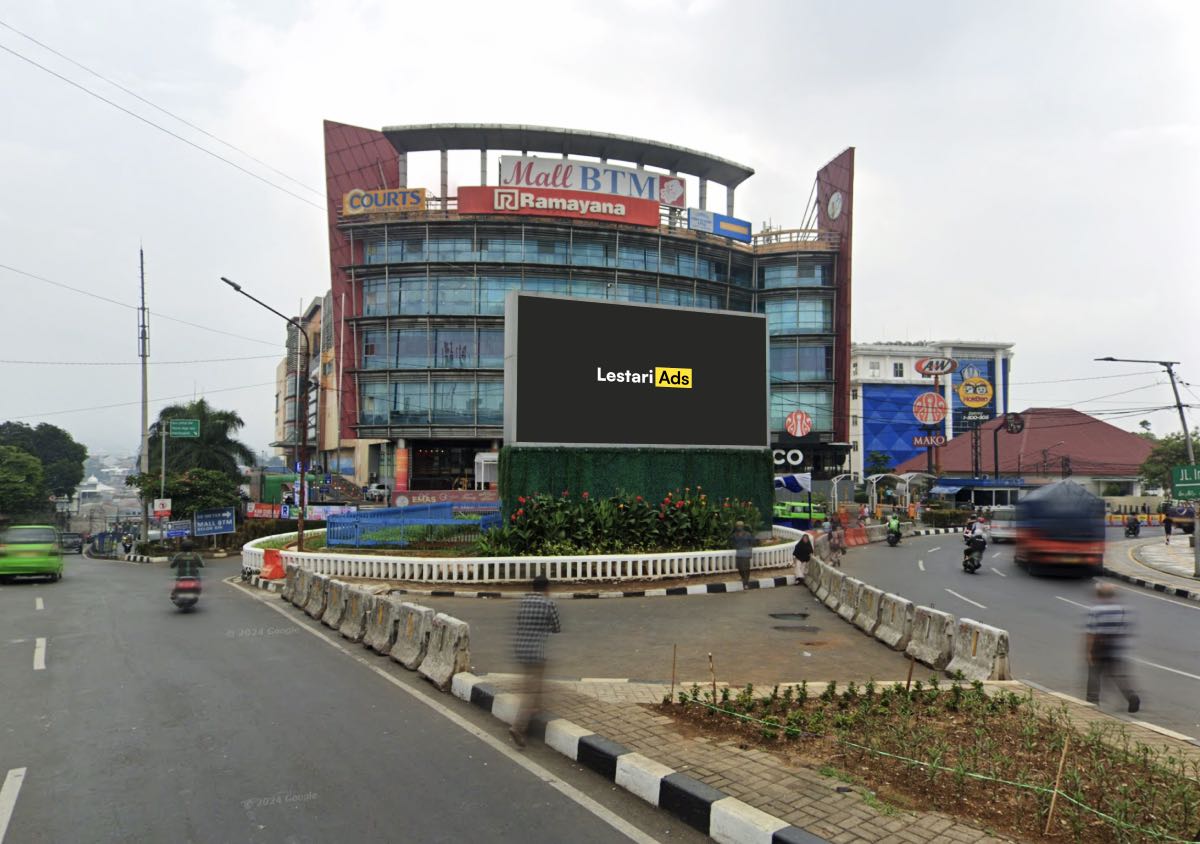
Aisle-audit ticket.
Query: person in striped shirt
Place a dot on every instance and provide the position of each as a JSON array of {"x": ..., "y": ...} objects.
[
  {"x": 537, "y": 618},
  {"x": 1108, "y": 627}
]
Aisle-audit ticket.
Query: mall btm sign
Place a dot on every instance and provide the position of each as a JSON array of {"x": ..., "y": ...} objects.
[{"x": 517, "y": 171}]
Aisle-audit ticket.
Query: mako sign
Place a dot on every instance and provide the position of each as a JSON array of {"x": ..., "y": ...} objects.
[
  {"x": 526, "y": 171},
  {"x": 582, "y": 372}
]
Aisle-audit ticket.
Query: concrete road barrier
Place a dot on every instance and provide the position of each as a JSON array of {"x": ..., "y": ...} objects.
[
  {"x": 335, "y": 606},
  {"x": 895, "y": 621},
  {"x": 876, "y": 533},
  {"x": 866, "y": 612},
  {"x": 300, "y": 590},
  {"x": 383, "y": 612},
  {"x": 812, "y": 574},
  {"x": 833, "y": 596},
  {"x": 318, "y": 595},
  {"x": 848, "y": 599},
  {"x": 980, "y": 651},
  {"x": 822, "y": 590},
  {"x": 412, "y": 635},
  {"x": 354, "y": 617},
  {"x": 821, "y": 547},
  {"x": 289, "y": 583},
  {"x": 932, "y": 637},
  {"x": 449, "y": 651}
]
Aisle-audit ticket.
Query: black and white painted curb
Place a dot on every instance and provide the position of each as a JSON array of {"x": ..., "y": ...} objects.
[
  {"x": 694, "y": 589},
  {"x": 713, "y": 812},
  {"x": 269, "y": 585},
  {"x": 934, "y": 531},
  {"x": 1166, "y": 589}
]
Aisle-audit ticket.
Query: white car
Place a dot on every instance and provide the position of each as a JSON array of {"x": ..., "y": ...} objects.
[
  {"x": 1003, "y": 527},
  {"x": 378, "y": 492}
]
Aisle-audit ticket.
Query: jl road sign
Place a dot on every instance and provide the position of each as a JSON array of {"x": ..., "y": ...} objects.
[
  {"x": 184, "y": 428},
  {"x": 1185, "y": 482}
]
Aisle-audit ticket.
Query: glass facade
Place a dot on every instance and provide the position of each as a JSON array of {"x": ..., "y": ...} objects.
[{"x": 431, "y": 338}]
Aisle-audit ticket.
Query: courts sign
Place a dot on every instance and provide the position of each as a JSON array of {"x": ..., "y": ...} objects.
[
  {"x": 383, "y": 201},
  {"x": 527, "y": 171},
  {"x": 544, "y": 202}
]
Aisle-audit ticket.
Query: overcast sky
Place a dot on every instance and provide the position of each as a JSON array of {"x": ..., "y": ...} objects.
[{"x": 1027, "y": 172}]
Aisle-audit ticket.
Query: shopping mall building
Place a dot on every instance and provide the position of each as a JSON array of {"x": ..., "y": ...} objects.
[{"x": 420, "y": 270}]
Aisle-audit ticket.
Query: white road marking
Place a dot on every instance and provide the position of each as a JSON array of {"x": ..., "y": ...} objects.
[
  {"x": 1073, "y": 603},
  {"x": 38, "y": 605},
  {"x": 965, "y": 598},
  {"x": 921, "y": 565},
  {"x": 39, "y": 655},
  {"x": 8, "y": 797},
  {"x": 1146, "y": 594},
  {"x": 1165, "y": 668},
  {"x": 566, "y": 789},
  {"x": 997, "y": 571},
  {"x": 935, "y": 548},
  {"x": 997, "y": 554}
]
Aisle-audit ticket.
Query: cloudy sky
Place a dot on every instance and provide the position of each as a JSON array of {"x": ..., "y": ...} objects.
[{"x": 1027, "y": 171}]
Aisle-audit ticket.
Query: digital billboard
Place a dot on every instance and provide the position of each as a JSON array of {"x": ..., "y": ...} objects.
[{"x": 586, "y": 372}]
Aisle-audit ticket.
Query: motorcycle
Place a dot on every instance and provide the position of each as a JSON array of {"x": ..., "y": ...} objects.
[
  {"x": 893, "y": 537},
  {"x": 1133, "y": 530},
  {"x": 186, "y": 592},
  {"x": 973, "y": 555}
]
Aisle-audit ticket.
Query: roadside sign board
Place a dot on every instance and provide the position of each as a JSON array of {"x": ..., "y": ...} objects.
[
  {"x": 179, "y": 529},
  {"x": 975, "y": 392},
  {"x": 932, "y": 367},
  {"x": 798, "y": 423},
  {"x": 184, "y": 428},
  {"x": 929, "y": 408},
  {"x": 215, "y": 521},
  {"x": 162, "y": 508},
  {"x": 927, "y": 440},
  {"x": 1185, "y": 482}
]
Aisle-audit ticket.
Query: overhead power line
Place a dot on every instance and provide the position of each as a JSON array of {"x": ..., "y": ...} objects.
[
  {"x": 139, "y": 401},
  {"x": 133, "y": 307},
  {"x": 164, "y": 129},
  {"x": 133, "y": 362},
  {"x": 157, "y": 107}
]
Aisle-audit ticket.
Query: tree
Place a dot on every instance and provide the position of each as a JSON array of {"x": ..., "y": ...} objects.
[
  {"x": 1168, "y": 452},
  {"x": 22, "y": 487},
  {"x": 195, "y": 489},
  {"x": 878, "y": 463},
  {"x": 61, "y": 457},
  {"x": 214, "y": 449}
]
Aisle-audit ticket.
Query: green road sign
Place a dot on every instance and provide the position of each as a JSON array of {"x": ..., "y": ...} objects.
[
  {"x": 1185, "y": 481},
  {"x": 185, "y": 428}
]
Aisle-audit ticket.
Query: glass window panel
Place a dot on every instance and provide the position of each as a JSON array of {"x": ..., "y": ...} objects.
[
  {"x": 409, "y": 249},
  {"x": 410, "y": 403},
  {"x": 454, "y": 348},
  {"x": 498, "y": 248},
  {"x": 413, "y": 296},
  {"x": 668, "y": 296},
  {"x": 670, "y": 260},
  {"x": 451, "y": 249},
  {"x": 816, "y": 401},
  {"x": 375, "y": 297},
  {"x": 742, "y": 273},
  {"x": 455, "y": 295},
  {"x": 739, "y": 301},
  {"x": 374, "y": 349},
  {"x": 546, "y": 249},
  {"x": 453, "y": 402},
  {"x": 593, "y": 251},
  {"x": 804, "y": 274},
  {"x": 794, "y": 362},
  {"x": 588, "y": 289},
  {"x": 625, "y": 292},
  {"x": 491, "y": 402},
  {"x": 374, "y": 252},
  {"x": 545, "y": 285},
  {"x": 411, "y": 348},
  {"x": 687, "y": 264},
  {"x": 491, "y": 348},
  {"x": 492, "y": 291},
  {"x": 815, "y": 316},
  {"x": 373, "y": 404}
]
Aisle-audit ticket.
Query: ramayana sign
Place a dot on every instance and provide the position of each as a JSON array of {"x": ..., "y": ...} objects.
[
  {"x": 527, "y": 171},
  {"x": 541, "y": 202}
]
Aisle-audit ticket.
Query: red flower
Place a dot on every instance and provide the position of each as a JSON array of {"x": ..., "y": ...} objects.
[
  {"x": 521, "y": 499},
  {"x": 639, "y": 498},
  {"x": 678, "y": 505},
  {"x": 513, "y": 517},
  {"x": 662, "y": 515},
  {"x": 565, "y": 493},
  {"x": 585, "y": 495},
  {"x": 521, "y": 511}
]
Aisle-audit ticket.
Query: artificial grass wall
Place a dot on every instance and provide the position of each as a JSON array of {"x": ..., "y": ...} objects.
[{"x": 650, "y": 472}]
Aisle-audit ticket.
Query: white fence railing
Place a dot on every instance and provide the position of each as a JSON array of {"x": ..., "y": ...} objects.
[{"x": 602, "y": 567}]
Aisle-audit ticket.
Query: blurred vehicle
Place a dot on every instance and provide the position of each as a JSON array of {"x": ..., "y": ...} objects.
[
  {"x": 378, "y": 492},
  {"x": 71, "y": 543},
  {"x": 799, "y": 510},
  {"x": 1183, "y": 518},
  {"x": 186, "y": 592},
  {"x": 30, "y": 550},
  {"x": 1060, "y": 529},
  {"x": 1004, "y": 524}
]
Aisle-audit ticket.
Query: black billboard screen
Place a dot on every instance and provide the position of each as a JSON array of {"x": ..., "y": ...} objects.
[{"x": 588, "y": 372}]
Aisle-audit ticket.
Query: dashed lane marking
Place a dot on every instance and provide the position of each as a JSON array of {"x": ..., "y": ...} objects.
[
  {"x": 997, "y": 571},
  {"x": 921, "y": 565},
  {"x": 1145, "y": 594},
  {"x": 39, "y": 655},
  {"x": 8, "y": 797},
  {"x": 995, "y": 555},
  {"x": 38, "y": 605},
  {"x": 965, "y": 598},
  {"x": 935, "y": 548},
  {"x": 1073, "y": 603}
]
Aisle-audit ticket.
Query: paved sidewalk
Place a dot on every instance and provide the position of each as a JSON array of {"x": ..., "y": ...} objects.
[{"x": 1155, "y": 565}]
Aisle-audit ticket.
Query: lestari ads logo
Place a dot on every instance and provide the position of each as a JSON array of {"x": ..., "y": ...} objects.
[{"x": 674, "y": 377}]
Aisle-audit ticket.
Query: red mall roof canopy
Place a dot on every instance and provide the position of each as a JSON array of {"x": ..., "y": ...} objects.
[{"x": 1096, "y": 448}]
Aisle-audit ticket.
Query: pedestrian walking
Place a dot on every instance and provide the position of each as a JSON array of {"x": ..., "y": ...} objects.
[
  {"x": 742, "y": 541},
  {"x": 802, "y": 553},
  {"x": 1167, "y": 526},
  {"x": 837, "y": 545},
  {"x": 1108, "y": 628},
  {"x": 537, "y": 618}
]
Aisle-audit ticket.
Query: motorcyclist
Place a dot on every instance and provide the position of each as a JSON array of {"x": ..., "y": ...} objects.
[
  {"x": 976, "y": 537},
  {"x": 1133, "y": 525},
  {"x": 893, "y": 525},
  {"x": 187, "y": 563}
]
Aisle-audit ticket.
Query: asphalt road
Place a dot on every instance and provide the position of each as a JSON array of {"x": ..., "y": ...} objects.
[
  {"x": 1045, "y": 617},
  {"x": 236, "y": 723}
]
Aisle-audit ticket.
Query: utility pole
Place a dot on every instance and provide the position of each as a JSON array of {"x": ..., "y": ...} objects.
[{"x": 144, "y": 354}]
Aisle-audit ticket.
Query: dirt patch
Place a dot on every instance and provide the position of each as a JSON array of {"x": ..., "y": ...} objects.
[{"x": 988, "y": 757}]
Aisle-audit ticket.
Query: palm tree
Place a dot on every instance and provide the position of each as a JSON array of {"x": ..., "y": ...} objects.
[{"x": 215, "y": 448}]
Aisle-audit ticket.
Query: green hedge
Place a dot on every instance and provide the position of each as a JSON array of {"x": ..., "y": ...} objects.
[
  {"x": 945, "y": 518},
  {"x": 650, "y": 472}
]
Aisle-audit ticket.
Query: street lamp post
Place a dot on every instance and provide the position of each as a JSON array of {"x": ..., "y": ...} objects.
[
  {"x": 301, "y": 409},
  {"x": 1169, "y": 365}
]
